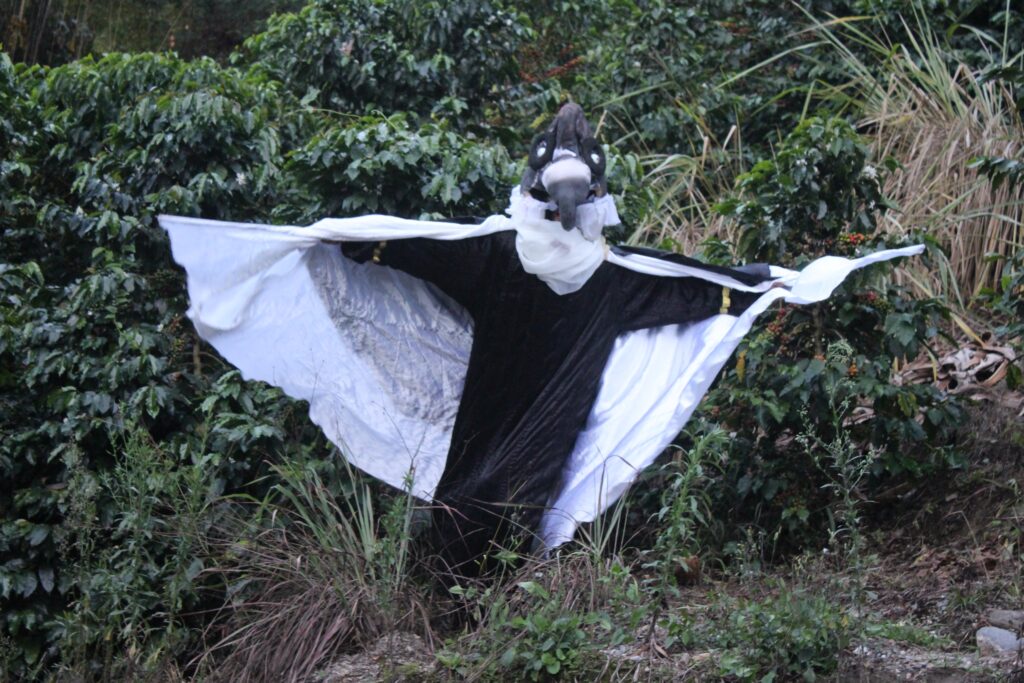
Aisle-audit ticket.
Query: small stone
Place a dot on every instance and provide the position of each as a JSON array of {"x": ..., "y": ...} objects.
[
  {"x": 998, "y": 641},
  {"x": 1011, "y": 619}
]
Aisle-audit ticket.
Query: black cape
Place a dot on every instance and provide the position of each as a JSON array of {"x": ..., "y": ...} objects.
[{"x": 534, "y": 370}]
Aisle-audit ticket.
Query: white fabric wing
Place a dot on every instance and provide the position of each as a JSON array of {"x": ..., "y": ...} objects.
[
  {"x": 656, "y": 378},
  {"x": 379, "y": 355}
]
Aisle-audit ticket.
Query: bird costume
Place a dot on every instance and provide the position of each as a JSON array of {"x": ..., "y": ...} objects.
[{"x": 518, "y": 373}]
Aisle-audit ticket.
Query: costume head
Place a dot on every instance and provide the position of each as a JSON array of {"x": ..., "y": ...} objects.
[{"x": 566, "y": 165}]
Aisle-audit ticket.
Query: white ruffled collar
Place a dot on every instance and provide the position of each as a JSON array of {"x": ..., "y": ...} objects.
[{"x": 563, "y": 259}]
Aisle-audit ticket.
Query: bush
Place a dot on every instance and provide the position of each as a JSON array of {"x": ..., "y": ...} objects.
[
  {"x": 542, "y": 628},
  {"x": 354, "y": 56},
  {"x": 91, "y": 308},
  {"x": 132, "y": 545},
  {"x": 93, "y": 335},
  {"x": 792, "y": 635},
  {"x": 381, "y": 164},
  {"x": 819, "y": 195}
]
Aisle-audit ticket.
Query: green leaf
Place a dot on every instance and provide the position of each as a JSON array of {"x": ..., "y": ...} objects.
[
  {"x": 46, "y": 578},
  {"x": 534, "y": 589},
  {"x": 900, "y": 327},
  {"x": 311, "y": 94},
  {"x": 208, "y": 403},
  {"x": 194, "y": 569},
  {"x": 25, "y": 583},
  {"x": 38, "y": 534},
  {"x": 30, "y": 648}
]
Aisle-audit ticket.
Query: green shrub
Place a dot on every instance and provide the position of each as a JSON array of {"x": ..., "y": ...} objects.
[
  {"x": 530, "y": 629},
  {"x": 675, "y": 75},
  {"x": 816, "y": 189},
  {"x": 136, "y": 573},
  {"x": 789, "y": 636},
  {"x": 542, "y": 641},
  {"x": 92, "y": 332},
  {"x": 820, "y": 195},
  {"x": 93, "y": 335},
  {"x": 353, "y": 56},
  {"x": 379, "y": 164},
  {"x": 683, "y": 514}
]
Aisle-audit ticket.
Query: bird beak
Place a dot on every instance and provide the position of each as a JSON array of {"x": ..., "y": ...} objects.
[{"x": 568, "y": 183}]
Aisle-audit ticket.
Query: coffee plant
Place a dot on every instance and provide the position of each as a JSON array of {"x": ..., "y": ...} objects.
[
  {"x": 819, "y": 194},
  {"x": 93, "y": 336}
]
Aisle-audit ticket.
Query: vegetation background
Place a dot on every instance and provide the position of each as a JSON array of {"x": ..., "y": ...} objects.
[{"x": 161, "y": 519}]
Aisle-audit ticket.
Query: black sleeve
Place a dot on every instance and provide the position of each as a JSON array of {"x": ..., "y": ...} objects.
[
  {"x": 653, "y": 301},
  {"x": 456, "y": 267}
]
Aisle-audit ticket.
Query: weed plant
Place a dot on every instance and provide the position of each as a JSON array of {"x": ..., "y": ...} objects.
[
  {"x": 137, "y": 572},
  {"x": 845, "y": 465},
  {"x": 675, "y": 557},
  {"x": 328, "y": 574},
  {"x": 793, "y": 635},
  {"x": 550, "y": 618}
]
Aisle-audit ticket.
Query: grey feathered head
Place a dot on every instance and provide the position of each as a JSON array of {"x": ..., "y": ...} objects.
[{"x": 566, "y": 165}]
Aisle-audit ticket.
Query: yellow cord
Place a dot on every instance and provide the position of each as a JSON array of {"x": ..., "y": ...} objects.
[{"x": 376, "y": 251}]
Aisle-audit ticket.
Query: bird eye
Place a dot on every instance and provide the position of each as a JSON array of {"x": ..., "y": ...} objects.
[
  {"x": 541, "y": 150},
  {"x": 593, "y": 155}
]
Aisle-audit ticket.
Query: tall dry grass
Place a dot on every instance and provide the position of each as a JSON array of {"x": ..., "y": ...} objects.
[
  {"x": 673, "y": 200},
  {"x": 336, "y": 576},
  {"x": 681, "y": 191},
  {"x": 917, "y": 103},
  {"x": 914, "y": 102}
]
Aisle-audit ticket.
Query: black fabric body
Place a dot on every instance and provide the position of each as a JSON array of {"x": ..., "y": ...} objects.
[{"x": 534, "y": 373}]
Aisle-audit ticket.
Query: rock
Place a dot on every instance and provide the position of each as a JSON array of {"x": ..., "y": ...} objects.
[
  {"x": 993, "y": 640},
  {"x": 1011, "y": 619}
]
